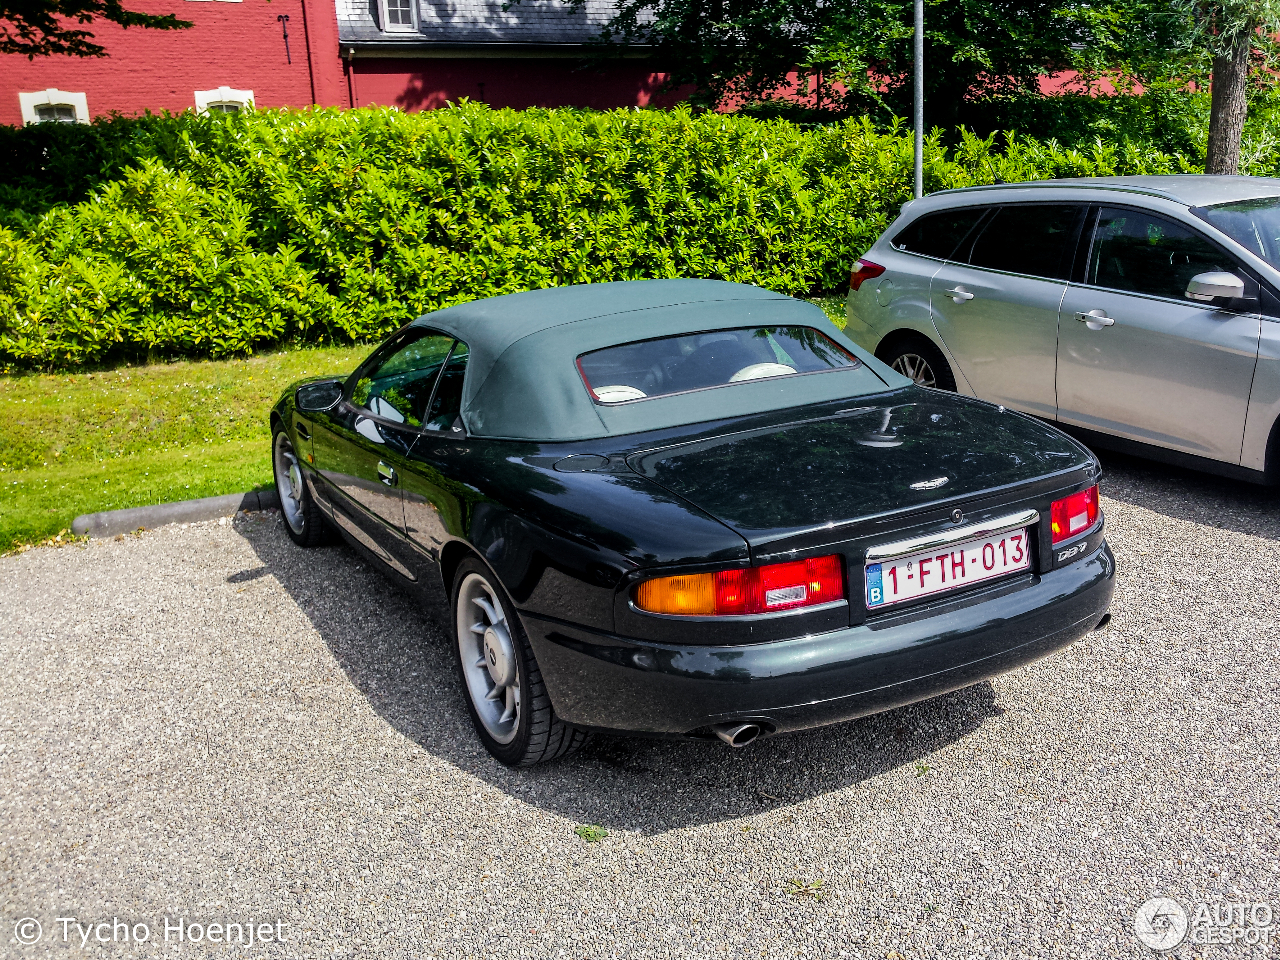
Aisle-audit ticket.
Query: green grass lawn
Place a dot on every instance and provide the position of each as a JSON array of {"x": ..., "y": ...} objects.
[
  {"x": 83, "y": 442},
  {"x": 833, "y": 307}
]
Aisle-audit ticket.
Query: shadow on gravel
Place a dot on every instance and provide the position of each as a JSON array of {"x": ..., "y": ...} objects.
[
  {"x": 1189, "y": 495},
  {"x": 399, "y": 658}
]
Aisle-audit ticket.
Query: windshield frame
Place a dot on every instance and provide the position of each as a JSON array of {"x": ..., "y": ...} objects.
[{"x": 1205, "y": 215}]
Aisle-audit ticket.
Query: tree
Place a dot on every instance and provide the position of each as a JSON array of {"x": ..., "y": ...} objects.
[
  {"x": 40, "y": 28},
  {"x": 1239, "y": 35},
  {"x": 854, "y": 54},
  {"x": 1230, "y": 44}
]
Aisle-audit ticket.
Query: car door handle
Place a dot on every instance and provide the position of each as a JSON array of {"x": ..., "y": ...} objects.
[
  {"x": 1096, "y": 319},
  {"x": 959, "y": 294},
  {"x": 386, "y": 474}
]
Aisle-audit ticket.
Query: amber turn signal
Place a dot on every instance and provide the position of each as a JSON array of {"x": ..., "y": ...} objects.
[
  {"x": 689, "y": 595},
  {"x": 750, "y": 590}
]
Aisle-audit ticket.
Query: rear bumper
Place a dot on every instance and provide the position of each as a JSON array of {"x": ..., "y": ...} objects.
[{"x": 612, "y": 683}]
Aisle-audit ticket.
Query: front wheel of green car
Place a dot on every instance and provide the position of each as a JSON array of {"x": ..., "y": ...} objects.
[{"x": 303, "y": 521}]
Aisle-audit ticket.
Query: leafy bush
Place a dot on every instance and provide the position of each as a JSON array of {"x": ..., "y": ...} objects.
[
  {"x": 214, "y": 236},
  {"x": 53, "y": 163}
]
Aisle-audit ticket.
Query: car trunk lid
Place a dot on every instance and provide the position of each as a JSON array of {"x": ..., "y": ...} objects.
[{"x": 874, "y": 468}]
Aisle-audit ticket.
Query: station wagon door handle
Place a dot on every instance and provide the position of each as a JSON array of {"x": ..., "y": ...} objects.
[
  {"x": 386, "y": 474},
  {"x": 1095, "y": 319},
  {"x": 959, "y": 294}
]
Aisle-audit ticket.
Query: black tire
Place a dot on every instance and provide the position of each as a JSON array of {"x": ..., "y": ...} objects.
[
  {"x": 915, "y": 356},
  {"x": 534, "y": 734},
  {"x": 303, "y": 520}
]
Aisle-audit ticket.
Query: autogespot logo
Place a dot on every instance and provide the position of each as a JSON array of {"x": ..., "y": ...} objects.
[{"x": 1161, "y": 923}]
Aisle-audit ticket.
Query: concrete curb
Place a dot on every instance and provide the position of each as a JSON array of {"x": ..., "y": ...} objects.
[{"x": 112, "y": 522}]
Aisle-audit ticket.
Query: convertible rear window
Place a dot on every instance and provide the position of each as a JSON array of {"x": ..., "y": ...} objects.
[{"x": 657, "y": 368}]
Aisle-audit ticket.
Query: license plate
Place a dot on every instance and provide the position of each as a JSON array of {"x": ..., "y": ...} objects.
[{"x": 937, "y": 571}]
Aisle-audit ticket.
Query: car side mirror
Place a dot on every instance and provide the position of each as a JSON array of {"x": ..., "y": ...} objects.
[
  {"x": 1208, "y": 287},
  {"x": 319, "y": 396}
]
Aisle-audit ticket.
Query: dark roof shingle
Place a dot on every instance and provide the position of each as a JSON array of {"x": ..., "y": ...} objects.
[{"x": 467, "y": 22}]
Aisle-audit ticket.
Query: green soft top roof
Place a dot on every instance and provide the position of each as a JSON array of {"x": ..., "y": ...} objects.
[{"x": 522, "y": 380}]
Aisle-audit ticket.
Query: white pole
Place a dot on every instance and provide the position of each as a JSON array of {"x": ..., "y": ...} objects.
[{"x": 919, "y": 99}]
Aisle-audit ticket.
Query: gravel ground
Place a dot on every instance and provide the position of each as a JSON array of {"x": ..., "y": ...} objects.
[{"x": 206, "y": 723}]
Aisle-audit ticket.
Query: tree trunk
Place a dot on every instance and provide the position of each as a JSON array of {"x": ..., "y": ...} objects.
[{"x": 1228, "y": 106}]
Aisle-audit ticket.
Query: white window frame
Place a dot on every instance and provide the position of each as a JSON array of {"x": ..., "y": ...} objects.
[
  {"x": 389, "y": 27},
  {"x": 52, "y": 97},
  {"x": 221, "y": 96}
]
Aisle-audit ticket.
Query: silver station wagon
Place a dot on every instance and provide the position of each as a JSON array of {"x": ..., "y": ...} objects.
[{"x": 1142, "y": 313}]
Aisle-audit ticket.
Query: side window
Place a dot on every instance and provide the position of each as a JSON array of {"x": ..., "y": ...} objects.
[
  {"x": 447, "y": 403},
  {"x": 1035, "y": 239},
  {"x": 397, "y": 16},
  {"x": 938, "y": 234},
  {"x": 1143, "y": 253},
  {"x": 396, "y": 383},
  {"x": 223, "y": 100},
  {"x": 53, "y": 106}
]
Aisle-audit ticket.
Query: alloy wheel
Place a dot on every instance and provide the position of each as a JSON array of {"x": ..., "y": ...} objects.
[
  {"x": 917, "y": 368},
  {"x": 488, "y": 657},
  {"x": 289, "y": 483}
]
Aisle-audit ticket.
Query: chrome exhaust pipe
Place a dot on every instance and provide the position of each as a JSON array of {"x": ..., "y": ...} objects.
[{"x": 737, "y": 734}]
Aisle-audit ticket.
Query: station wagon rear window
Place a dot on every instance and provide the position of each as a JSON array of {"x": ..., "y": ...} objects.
[
  {"x": 661, "y": 367},
  {"x": 938, "y": 234}
]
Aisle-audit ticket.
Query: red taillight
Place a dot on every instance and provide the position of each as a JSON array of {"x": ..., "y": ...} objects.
[
  {"x": 1074, "y": 514},
  {"x": 778, "y": 586},
  {"x": 864, "y": 270}
]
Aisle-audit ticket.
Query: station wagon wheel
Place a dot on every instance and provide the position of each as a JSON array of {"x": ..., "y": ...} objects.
[
  {"x": 303, "y": 521},
  {"x": 916, "y": 357},
  {"x": 917, "y": 368},
  {"x": 506, "y": 697}
]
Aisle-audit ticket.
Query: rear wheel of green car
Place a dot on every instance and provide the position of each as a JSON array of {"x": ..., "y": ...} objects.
[{"x": 506, "y": 697}]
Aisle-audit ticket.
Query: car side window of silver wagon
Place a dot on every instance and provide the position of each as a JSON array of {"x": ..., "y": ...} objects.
[
  {"x": 938, "y": 235},
  {"x": 1033, "y": 239},
  {"x": 1134, "y": 251}
]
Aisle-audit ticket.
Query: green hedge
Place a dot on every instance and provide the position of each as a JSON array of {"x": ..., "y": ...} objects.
[{"x": 213, "y": 236}]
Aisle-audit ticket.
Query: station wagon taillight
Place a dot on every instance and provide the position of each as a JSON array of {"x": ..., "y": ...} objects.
[
  {"x": 1074, "y": 514},
  {"x": 776, "y": 587},
  {"x": 864, "y": 270}
]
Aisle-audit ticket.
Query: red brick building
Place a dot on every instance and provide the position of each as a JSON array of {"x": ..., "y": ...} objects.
[{"x": 412, "y": 54}]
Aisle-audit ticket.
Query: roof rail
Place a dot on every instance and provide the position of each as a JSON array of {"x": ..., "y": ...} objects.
[{"x": 1060, "y": 184}]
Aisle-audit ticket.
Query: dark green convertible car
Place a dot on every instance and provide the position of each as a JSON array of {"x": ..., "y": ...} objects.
[{"x": 691, "y": 508}]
